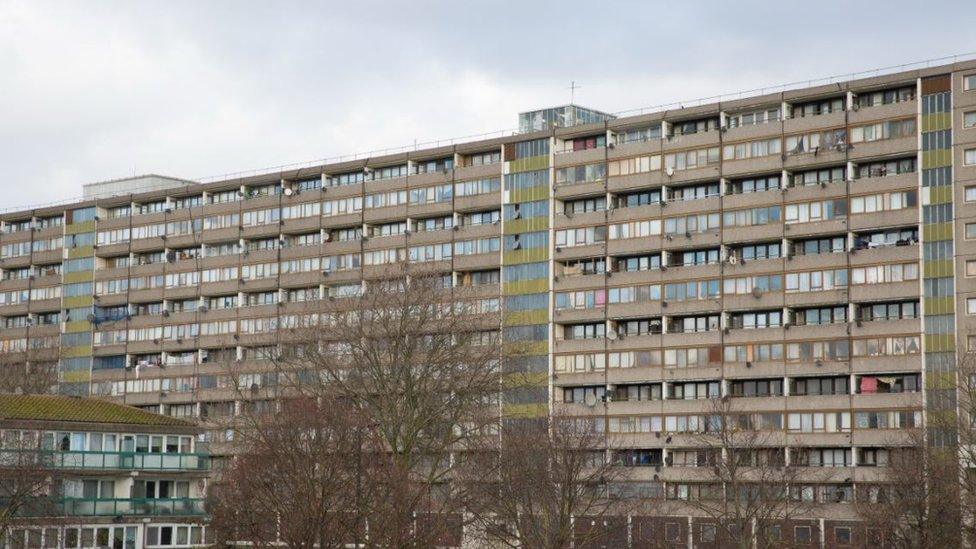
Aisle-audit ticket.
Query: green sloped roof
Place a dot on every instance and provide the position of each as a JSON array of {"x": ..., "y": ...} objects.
[{"x": 80, "y": 410}]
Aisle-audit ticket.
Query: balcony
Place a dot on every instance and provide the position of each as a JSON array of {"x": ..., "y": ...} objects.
[
  {"x": 92, "y": 507},
  {"x": 109, "y": 461}
]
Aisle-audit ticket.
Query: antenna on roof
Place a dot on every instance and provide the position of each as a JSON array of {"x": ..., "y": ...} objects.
[{"x": 573, "y": 86}]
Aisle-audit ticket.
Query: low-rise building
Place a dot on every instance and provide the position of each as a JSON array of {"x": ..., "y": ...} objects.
[{"x": 109, "y": 475}]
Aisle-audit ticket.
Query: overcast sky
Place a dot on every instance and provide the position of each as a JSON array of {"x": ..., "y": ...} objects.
[{"x": 98, "y": 90}]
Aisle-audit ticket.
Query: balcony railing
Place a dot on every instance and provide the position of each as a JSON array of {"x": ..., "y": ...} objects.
[
  {"x": 92, "y": 507},
  {"x": 107, "y": 460}
]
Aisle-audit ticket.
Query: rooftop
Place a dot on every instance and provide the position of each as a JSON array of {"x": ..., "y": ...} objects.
[
  {"x": 130, "y": 185},
  {"x": 563, "y": 116},
  {"x": 79, "y": 410}
]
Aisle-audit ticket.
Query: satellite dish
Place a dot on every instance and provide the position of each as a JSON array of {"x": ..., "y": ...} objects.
[
  {"x": 289, "y": 191},
  {"x": 669, "y": 170},
  {"x": 757, "y": 293},
  {"x": 612, "y": 335}
]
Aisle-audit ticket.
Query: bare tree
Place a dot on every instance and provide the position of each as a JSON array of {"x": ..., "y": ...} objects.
[
  {"x": 916, "y": 503},
  {"x": 27, "y": 373},
  {"x": 926, "y": 495},
  {"x": 293, "y": 481},
  {"x": 26, "y": 472},
  {"x": 535, "y": 480},
  {"x": 27, "y": 477},
  {"x": 746, "y": 488},
  {"x": 965, "y": 431},
  {"x": 416, "y": 365}
]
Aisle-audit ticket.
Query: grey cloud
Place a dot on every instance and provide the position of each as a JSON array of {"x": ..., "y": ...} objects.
[{"x": 106, "y": 89}]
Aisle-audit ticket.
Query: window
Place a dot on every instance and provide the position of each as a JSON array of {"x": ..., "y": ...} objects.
[
  {"x": 694, "y": 390},
  {"x": 842, "y": 535},
  {"x": 584, "y": 395},
  {"x": 689, "y": 324},
  {"x": 753, "y": 118},
  {"x": 891, "y": 129},
  {"x": 691, "y": 224},
  {"x": 582, "y": 299},
  {"x": 894, "y": 237},
  {"x": 688, "y": 291},
  {"x": 432, "y": 195},
  {"x": 640, "y": 164},
  {"x": 896, "y": 419},
  {"x": 887, "y": 346},
  {"x": 695, "y": 257},
  {"x": 754, "y": 320},
  {"x": 809, "y": 351},
  {"x": 888, "y": 311},
  {"x": 969, "y": 158},
  {"x": 969, "y": 119},
  {"x": 345, "y": 179},
  {"x": 815, "y": 211},
  {"x": 971, "y": 267},
  {"x": 585, "y": 205},
  {"x": 387, "y": 172},
  {"x": 584, "y": 331},
  {"x": 886, "y": 168},
  {"x": 81, "y": 215},
  {"x": 901, "y": 383},
  {"x": 754, "y": 216},
  {"x": 672, "y": 531},
  {"x": 483, "y": 159},
  {"x": 578, "y": 267},
  {"x": 817, "y": 141},
  {"x": 969, "y": 82},
  {"x": 527, "y": 149},
  {"x": 708, "y": 532},
  {"x": 639, "y": 263},
  {"x": 756, "y": 387},
  {"x": 480, "y": 186},
  {"x": 636, "y": 229},
  {"x": 752, "y": 149},
  {"x": 886, "y": 97},
  {"x": 580, "y": 363},
  {"x": 971, "y": 306},
  {"x": 818, "y": 107},
  {"x": 636, "y": 392},
  {"x": 693, "y": 192},
  {"x": 802, "y": 534},
  {"x": 436, "y": 165},
  {"x": 818, "y": 177},
  {"x": 635, "y": 294},
  {"x": 883, "y": 202},
  {"x": 581, "y": 174},
  {"x": 814, "y": 281},
  {"x": 755, "y": 185},
  {"x": 691, "y": 127},
  {"x": 639, "y": 327},
  {"x": 581, "y": 237},
  {"x": 481, "y": 218},
  {"x": 692, "y": 159},
  {"x": 971, "y": 194}
]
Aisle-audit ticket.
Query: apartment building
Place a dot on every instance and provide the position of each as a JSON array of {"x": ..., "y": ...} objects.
[
  {"x": 113, "y": 475},
  {"x": 808, "y": 253}
]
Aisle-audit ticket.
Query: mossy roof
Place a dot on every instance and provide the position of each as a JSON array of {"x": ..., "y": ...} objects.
[{"x": 79, "y": 410}]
